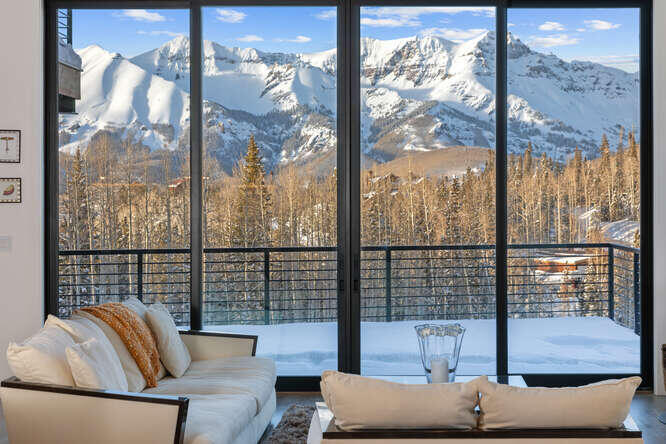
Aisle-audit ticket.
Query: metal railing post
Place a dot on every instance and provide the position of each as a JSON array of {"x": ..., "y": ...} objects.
[
  {"x": 139, "y": 276},
  {"x": 267, "y": 288},
  {"x": 389, "y": 314},
  {"x": 611, "y": 283},
  {"x": 637, "y": 293}
]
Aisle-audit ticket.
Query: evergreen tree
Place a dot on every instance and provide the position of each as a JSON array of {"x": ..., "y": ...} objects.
[{"x": 253, "y": 203}]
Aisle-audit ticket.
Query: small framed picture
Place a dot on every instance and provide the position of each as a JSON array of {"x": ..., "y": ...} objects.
[
  {"x": 10, "y": 146},
  {"x": 10, "y": 190}
]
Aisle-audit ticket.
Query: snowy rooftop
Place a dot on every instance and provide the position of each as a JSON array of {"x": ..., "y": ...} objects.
[
  {"x": 67, "y": 56},
  {"x": 546, "y": 345}
]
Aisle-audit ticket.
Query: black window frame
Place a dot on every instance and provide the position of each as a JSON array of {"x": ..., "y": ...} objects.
[{"x": 348, "y": 158}]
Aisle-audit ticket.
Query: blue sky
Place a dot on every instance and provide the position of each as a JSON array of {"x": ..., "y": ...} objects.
[{"x": 608, "y": 36}]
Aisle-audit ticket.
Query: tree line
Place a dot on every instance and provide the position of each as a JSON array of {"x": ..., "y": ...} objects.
[{"x": 120, "y": 195}]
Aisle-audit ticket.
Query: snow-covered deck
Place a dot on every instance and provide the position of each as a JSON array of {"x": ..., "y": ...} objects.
[{"x": 547, "y": 345}]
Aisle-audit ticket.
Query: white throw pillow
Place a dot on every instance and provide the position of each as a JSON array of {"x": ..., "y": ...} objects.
[
  {"x": 42, "y": 358},
  {"x": 359, "y": 402},
  {"x": 174, "y": 354},
  {"x": 82, "y": 330},
  {"x": 601, "y": 405},
  {"x": 140, "y": 308},
  {"x": 135, "y": 304},
  {"x": 92, "y": 365},
  {"x": 135, "y": 380}
]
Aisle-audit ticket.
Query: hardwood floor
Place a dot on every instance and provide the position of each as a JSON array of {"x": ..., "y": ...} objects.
[{"x": 644, "y": 410}]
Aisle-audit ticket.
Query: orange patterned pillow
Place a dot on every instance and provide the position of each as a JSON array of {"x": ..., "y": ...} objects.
[{"x": 135, "y": 334}]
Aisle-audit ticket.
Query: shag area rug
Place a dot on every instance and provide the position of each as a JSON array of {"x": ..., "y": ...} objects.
[{"x": 293, "y": 427}]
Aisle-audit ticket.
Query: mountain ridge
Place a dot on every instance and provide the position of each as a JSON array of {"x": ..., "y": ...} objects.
[{"x": 418, "y": 94}]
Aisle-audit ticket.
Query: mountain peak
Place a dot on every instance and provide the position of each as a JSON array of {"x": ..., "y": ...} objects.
[{"x": 515, "y": 47}]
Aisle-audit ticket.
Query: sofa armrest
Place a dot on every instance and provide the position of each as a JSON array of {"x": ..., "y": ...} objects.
[
  {"x": 52, "y": 413},
  {"x": 204, "y": 345}
]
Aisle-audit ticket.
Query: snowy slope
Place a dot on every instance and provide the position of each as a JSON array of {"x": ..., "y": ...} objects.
[
  {"x": 119, "y": 96},
  {"x": 418, "y": 94}
]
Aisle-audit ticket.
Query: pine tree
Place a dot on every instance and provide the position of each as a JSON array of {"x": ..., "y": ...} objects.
[{"x": 253, "y": 203}]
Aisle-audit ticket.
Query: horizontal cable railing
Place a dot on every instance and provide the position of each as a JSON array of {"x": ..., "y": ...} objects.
[{"x": 274, "y": 285}]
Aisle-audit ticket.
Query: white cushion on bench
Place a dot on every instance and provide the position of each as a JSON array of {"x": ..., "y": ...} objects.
[
  {"x": 217, "y": 419},
  {"x": 601, "y": 405},
  {"x": 224, "y": 376},
  {"x": 42, "y": 357},
  {"x": 358, "y": 402}
]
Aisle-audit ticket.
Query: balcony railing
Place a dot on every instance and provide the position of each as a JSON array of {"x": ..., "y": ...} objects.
[{"x": 289, "y": 285}]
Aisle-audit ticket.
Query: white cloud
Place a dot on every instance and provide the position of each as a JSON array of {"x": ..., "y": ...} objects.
[
  {"x": 229, "y": 15},
  {"x": 329, "y": 14},
  {"x": 141, "y": 15},
  {"x": 250, "y": 38},
  {"x": 298, "y": 39},
  {"x": 411, "y": 11},
  {"x": 601, "y": 25},
  {"x": 456, "y": 35},
  {"x": 554, "y": 40},
  {"x": 551, "y": 26},
  {"x": 581, "y": 29},
  {"x": 396, "y": 22},
  {"x": 167, "y": 33},
  {"x": 395, "y": 17},
  {"x": 510, "y": 25}
]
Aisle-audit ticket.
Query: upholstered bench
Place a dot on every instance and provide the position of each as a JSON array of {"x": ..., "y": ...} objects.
[
  {"x": 359, "y": 409},
  {"x": 324, "y": 431}
]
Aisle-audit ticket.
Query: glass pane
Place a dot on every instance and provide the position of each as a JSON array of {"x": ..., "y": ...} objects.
[
  {"x": 270, "y": 181},
  {"x": 427, "y": 184},
  {"x": 124, "y": 158},
  {"x": 574, "y": 180}
]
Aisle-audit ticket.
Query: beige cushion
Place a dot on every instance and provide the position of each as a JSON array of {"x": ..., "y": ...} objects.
[
  {"x": 173, "y": 353},
  {"x": 601, "y": 405},
  {"x": 135, "y": 304},
  {"x": 82, "y": 330},
  {"x": 141, "y": 309},
  {"x": 224, "y": 376},
  {"x": 42, "y": 357},
  {"x": 358, "y": 402},
  {"x": 93, "y": 366},
  {"x": 135, "y": 380}
]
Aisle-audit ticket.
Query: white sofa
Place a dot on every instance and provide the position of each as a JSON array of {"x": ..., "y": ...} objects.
[{"x": 227, "y": 396}]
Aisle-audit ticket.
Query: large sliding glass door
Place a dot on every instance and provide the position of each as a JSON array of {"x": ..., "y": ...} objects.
[
  {"x": 123, "y": 158},
  {"x": 573, "y": 190},
  {"x": 329, "y": 175},
  {"x": 270, "y": 181},
  {"x": 427, "y": 183}
]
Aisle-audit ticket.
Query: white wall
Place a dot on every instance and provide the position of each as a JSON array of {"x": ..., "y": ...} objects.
[
  {"x": 659, "y": 190},
  {"x": 21, "y": 107}
]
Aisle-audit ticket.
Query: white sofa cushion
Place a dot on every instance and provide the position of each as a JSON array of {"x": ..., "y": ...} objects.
[
  {"x": 42, "y": 357},
  {"x": 135, "y": 380},
  {"x": 82, "y": 330},
  {"x": 135, "y": 304},
  {"x": 224, "y": 376},
  {"x": 173, "y": 353},
  {"x": 359, "y": 402},
  {"x": 141, "y": 309},
  {"x": 601, "y": 405},
  {"x": 217, "y": 419},
  {"x": 93, "y": 365}
]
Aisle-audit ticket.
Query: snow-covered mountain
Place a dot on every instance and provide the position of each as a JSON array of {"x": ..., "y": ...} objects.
[{"x": 418, "y": 94}]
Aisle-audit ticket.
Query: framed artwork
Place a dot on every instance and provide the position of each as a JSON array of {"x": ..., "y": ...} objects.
[
  {"x": 10, "y": 190},
  {"x": 10, "y": 146}
]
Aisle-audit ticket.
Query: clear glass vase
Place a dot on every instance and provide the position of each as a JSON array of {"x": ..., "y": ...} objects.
[{"x": 439, "y": 345}]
